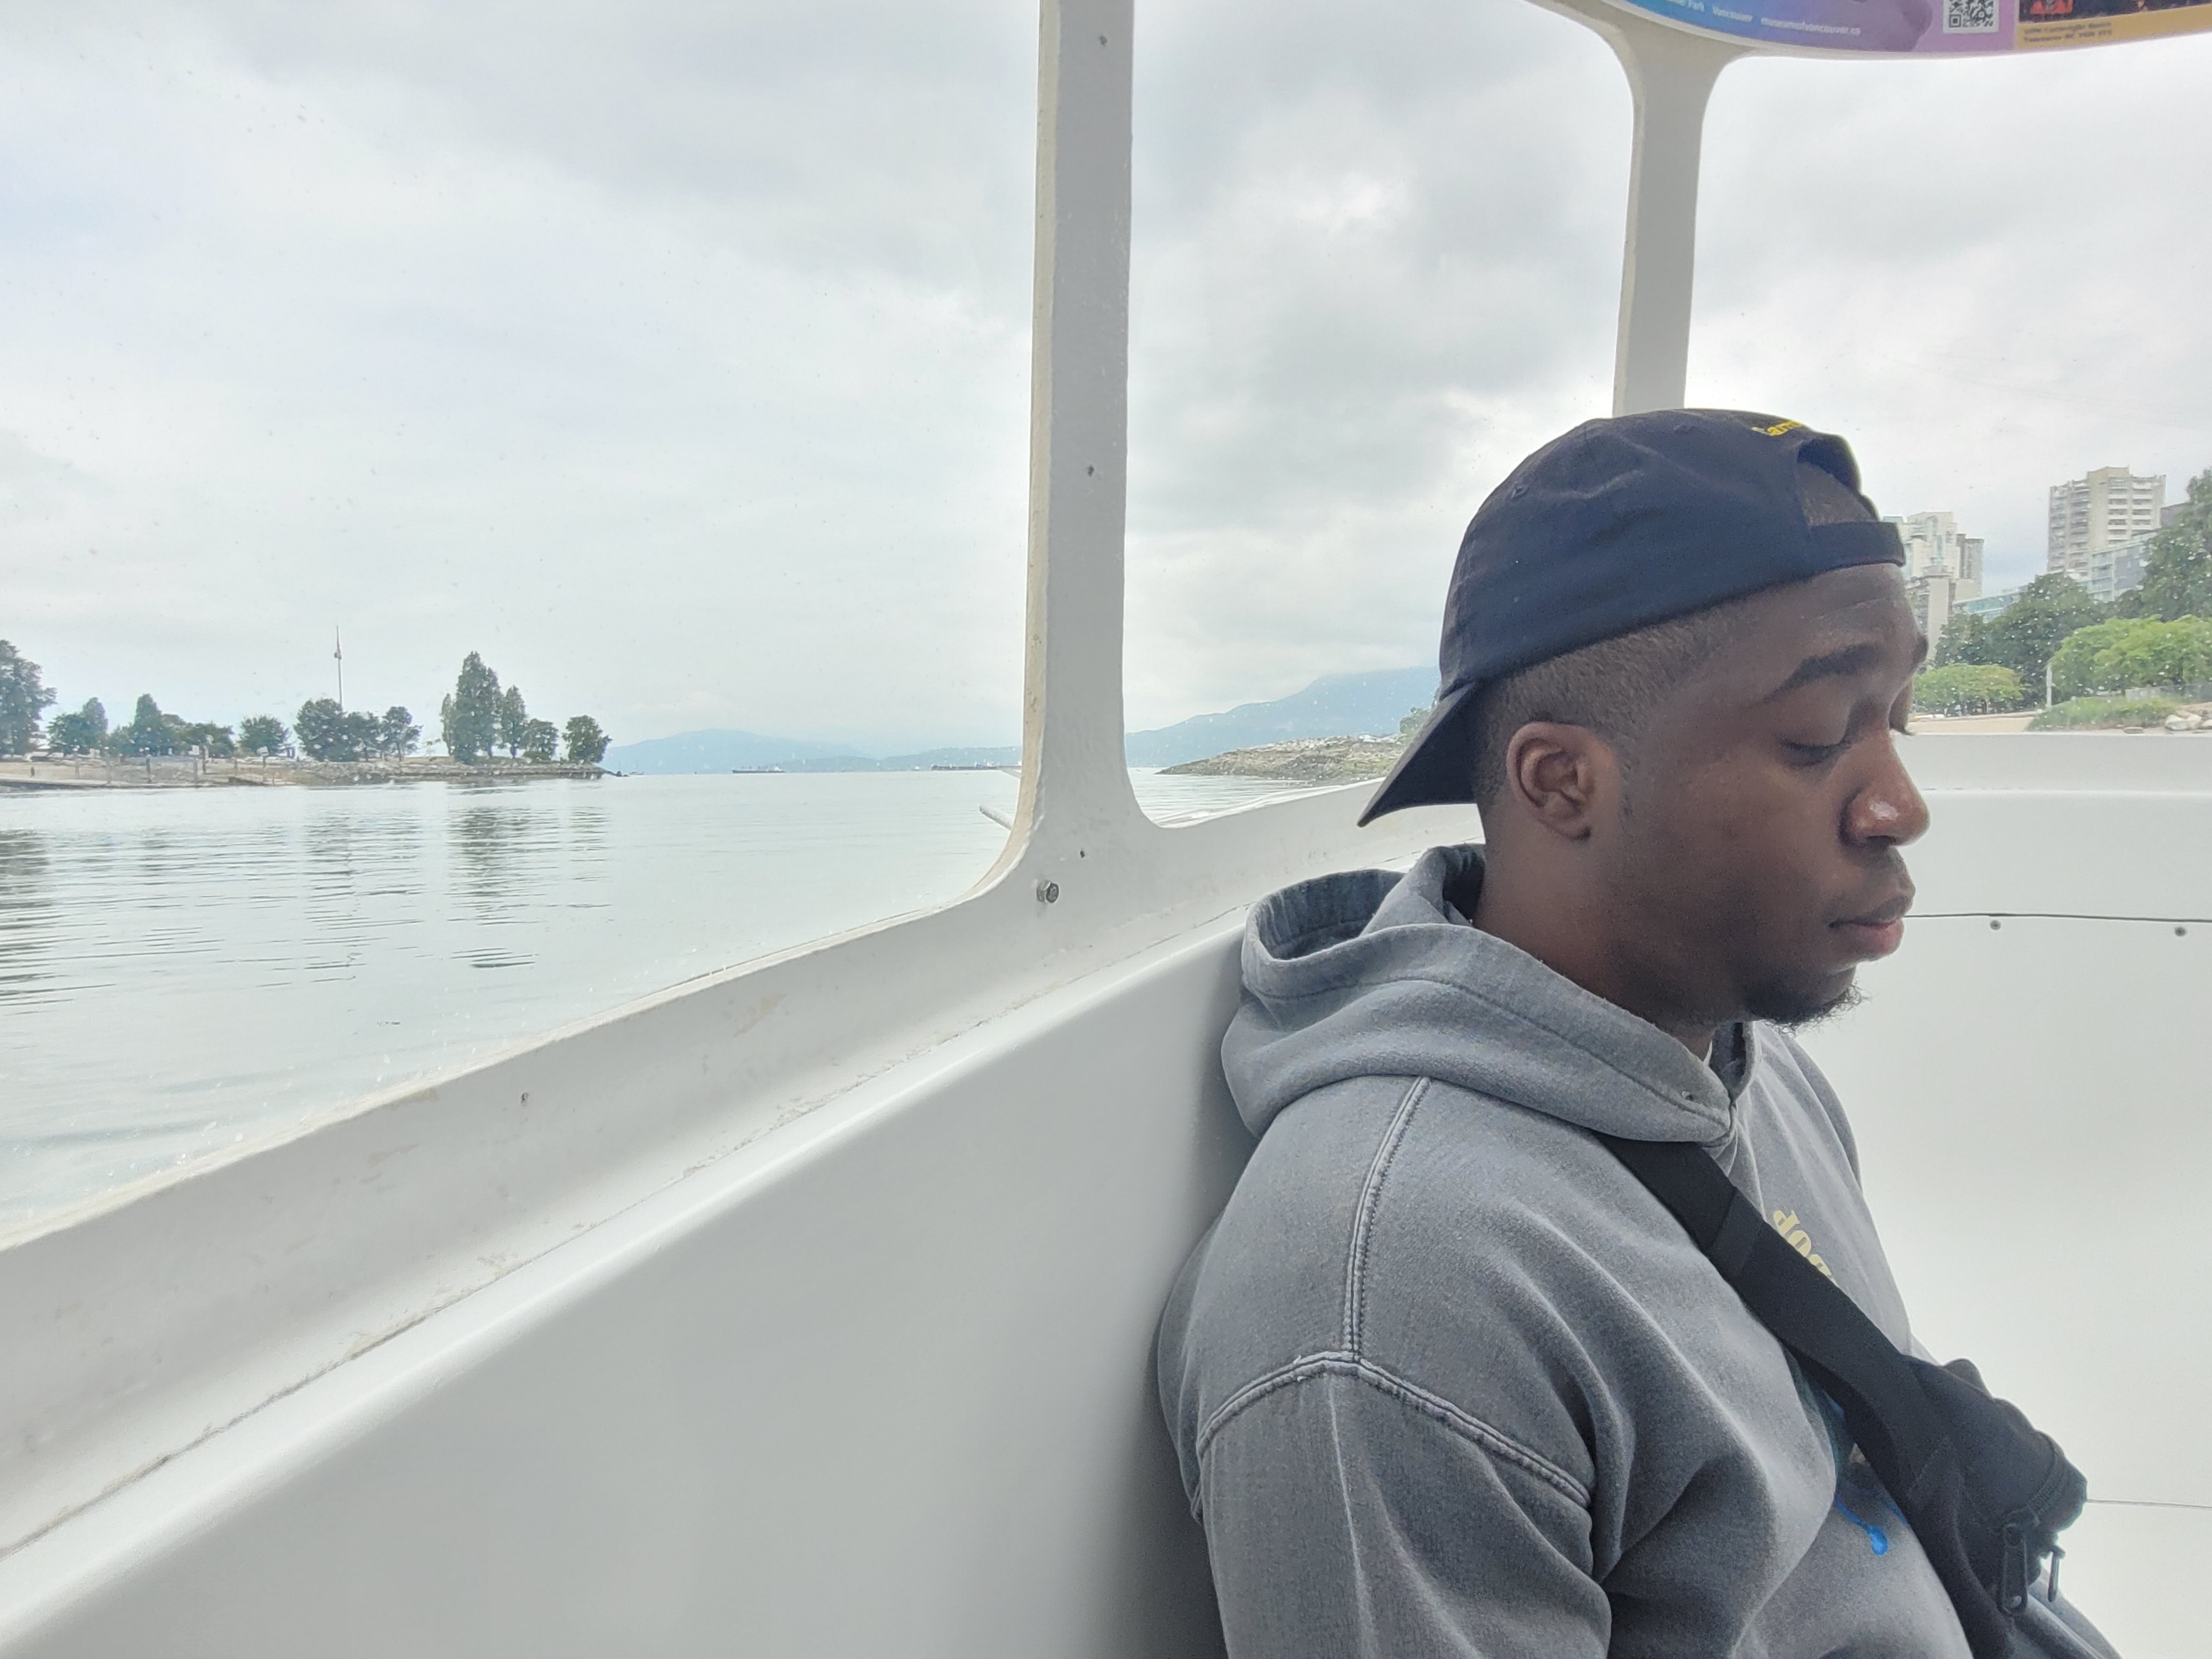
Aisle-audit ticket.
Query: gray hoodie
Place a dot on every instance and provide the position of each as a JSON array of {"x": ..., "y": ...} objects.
[{"x": 1446, "y": 1379}]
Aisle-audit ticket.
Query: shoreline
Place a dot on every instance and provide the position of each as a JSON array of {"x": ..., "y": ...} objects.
[
  {"x": 1316, "y": 760},
  {"x": 19, "y": 777}
]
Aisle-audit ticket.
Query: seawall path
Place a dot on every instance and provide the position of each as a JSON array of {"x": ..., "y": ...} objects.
[{"x": 188, "y": 772}]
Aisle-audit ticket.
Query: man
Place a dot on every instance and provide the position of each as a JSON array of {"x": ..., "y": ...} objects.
[{"x": 1444, "y": 1377}]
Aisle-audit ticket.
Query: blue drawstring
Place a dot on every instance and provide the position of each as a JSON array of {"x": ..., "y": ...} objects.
[{"x": 1877, "y": 1540}]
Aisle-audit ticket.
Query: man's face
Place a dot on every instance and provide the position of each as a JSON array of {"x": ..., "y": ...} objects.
[{"x": 1757, "y": 853}]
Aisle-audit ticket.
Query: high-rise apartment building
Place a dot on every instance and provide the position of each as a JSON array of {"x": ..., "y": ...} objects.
[
  {"x": 1934, "y": 547},
  {"x": 2114, "y": 570},
  {"x": 2090, "y": 514},
  {"x": 1942, "y": 568}
]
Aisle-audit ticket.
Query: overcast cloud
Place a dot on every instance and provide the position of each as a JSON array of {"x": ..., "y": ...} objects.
[{"x": 675, "y": 356}]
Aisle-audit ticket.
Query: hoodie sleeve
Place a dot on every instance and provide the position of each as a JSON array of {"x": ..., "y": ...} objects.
[{"x": 1346, "y": 1515}]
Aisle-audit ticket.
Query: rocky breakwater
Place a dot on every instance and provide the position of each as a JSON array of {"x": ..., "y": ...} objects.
[{"x": 1302, "y": 760}]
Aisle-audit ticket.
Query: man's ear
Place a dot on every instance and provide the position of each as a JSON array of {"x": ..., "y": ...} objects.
[{"x": 1562, "y": 777}]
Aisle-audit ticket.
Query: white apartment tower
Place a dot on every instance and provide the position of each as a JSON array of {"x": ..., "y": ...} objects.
[
  {"x": 2090, "y": 514},
  {"x": 1942, "y": 568},
  {"x": 1934, "y": 547}
]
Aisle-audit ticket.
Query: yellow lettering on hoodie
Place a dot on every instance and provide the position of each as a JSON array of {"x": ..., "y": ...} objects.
[{"x": 1785, "y": 1223}]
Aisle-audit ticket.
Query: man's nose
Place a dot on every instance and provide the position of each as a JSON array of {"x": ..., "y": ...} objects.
[{"x": 1888, "y": 809}]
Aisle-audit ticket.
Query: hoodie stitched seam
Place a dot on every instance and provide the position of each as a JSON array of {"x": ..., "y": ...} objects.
[
  {"x": 1363, "y": 1224},
  {"x": 1722, "y": 1120},
  {"x": 1493, "y": 1442}
]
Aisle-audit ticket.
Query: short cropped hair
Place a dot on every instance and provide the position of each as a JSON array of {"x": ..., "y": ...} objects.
[{"x": 1612, "y": 688}]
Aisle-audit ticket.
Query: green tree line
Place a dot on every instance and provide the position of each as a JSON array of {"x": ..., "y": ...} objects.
[
  {"x": 150, "y": 730},
  {"x": 2159, "y": 634},
  {"x": 478, "y": 718},
  {"x": 475, "y": 722}
]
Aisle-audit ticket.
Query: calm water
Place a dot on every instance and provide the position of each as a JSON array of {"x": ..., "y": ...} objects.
[{"x": 182, "y": 969}]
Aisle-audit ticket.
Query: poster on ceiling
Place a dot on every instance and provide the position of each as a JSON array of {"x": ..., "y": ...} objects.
[{"x": 1935, "y": 25}]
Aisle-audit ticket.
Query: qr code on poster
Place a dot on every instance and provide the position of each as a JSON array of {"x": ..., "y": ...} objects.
[{"x": 1969, "y": 16}]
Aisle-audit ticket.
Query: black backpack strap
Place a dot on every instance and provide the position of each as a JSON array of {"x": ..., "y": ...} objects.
[
  {"x": 1986, "y": 1493},
  {"x": 1882, "y": 1400}
]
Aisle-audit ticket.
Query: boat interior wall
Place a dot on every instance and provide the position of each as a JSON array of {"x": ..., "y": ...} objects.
[
  {"x": 876, "y": 1377},
  {"x": 2026, "y": 1082},
  {"x": 877, "y": 1383}
]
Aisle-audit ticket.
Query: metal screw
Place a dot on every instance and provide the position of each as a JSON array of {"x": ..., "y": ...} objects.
[{"x": 1048, "y": 892}]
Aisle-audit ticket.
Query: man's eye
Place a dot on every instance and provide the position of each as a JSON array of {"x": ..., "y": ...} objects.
[{"x": 1812, "y": 754}]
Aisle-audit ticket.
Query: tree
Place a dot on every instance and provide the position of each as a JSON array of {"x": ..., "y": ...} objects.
[
  {"x": 1412, "y": 723},
  {"x": 1968, "y": 689},
  {"x": 322, "y": 729},
  {"x": 2129, "y": 651},
  {"x": 1965, "y": 639},
  {"x": 82, "y": 733},
  {"x": 588, "y": 745},
  {"x": 326, "y": 732},
  {"x": 149, "y": 733},
  {"x": 398, "y": 734},
  {"x": 514, "y": 720},
  {"x": 23, "y": 698},
  {"x": 2029, "y": 632},
  {"x": 261, "y": 735},
  {"x": 469, "y": 719},
  {"x": 541, "y": 740},
  {"x": 212, "y": 740},
  {"x": 2178, "y": 573}
]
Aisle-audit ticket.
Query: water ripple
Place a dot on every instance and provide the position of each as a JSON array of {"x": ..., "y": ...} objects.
[{"x": 182, "y": 970}]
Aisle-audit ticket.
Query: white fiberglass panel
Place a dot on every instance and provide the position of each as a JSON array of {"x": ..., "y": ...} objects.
[
  {"x": 2028, "y": 1096},
  {"x": 880, "y": 1384}
]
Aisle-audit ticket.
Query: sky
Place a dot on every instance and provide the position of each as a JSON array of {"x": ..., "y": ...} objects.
[{"x": 675, "y": 356}]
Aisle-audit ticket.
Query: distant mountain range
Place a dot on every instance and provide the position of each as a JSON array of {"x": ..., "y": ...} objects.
[{"x": 1333, "y": 705}]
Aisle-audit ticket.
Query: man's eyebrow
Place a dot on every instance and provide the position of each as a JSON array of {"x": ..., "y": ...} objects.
[{"x": 1841, "y": 663}]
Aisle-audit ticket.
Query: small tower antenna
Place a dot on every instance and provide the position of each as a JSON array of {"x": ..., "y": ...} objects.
[{"x": 338, "y": 650}]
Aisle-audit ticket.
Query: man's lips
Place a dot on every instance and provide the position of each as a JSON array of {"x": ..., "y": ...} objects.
[{"x": 1877, "y": 932}]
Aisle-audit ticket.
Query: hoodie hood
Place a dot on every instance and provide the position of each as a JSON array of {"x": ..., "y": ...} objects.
[{"x": 1372, "y": 974}]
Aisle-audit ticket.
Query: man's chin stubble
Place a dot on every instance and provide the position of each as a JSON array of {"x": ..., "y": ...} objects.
[{"x": 1795, "y": 1009}]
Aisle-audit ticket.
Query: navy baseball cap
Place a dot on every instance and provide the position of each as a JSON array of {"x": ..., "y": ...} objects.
[{"x": 1616, "y": 526}]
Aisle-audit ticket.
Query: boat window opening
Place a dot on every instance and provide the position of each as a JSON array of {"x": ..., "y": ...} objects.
[
  {"x": 378, "y": 392},
  {"x": 1371, "y": 269},
  {"x": 1980, "y": 292}
]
